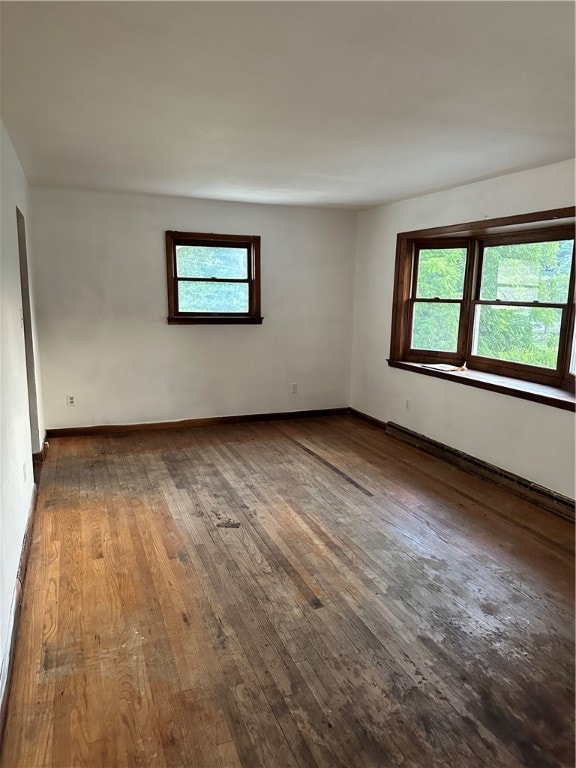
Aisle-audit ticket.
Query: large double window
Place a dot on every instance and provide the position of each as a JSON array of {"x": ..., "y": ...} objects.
[{"x": 496, "y": 297}]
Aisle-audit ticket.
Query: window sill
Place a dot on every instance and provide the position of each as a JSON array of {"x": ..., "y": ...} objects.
[
  {"x": 527, "y": 390},
  {"x": 215, "y": 320}
]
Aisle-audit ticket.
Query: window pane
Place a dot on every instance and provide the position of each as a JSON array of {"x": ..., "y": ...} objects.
[
  {"x": 441, "y": 273},
  {"x": 205, "y": 261},
  {"x": 213, "y": 297},
  {"x": 518, "y": 334},
  {"x": 435, "y": 326},
  {"x": 527, "y": 272}
]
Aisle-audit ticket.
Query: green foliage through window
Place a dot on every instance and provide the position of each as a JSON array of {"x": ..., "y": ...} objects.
[
  {"x": 441, "y": 273},
  {"x": 435, "y": 326},
  {"x": 528, "y": 335},
  {"x": 527, "y": 273},
  {"x": 207, "y": 261},
  {"x": 212, "y": 297}
]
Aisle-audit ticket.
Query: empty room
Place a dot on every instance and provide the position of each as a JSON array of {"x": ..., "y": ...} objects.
[{"x": 288, "y": 362}]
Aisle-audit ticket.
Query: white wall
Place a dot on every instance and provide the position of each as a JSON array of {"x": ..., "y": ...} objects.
[
  {"x": 102, "y": 306},
  {"x": 534, "y": 441},
  {"x": 16, "y": 475}
]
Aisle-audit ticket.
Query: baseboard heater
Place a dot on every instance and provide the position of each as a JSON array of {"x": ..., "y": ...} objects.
[{"x": 544, "y": 497}]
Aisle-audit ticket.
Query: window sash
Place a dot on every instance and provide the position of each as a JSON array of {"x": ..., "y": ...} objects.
[
  {"x": 213, "y": 280},
  {"x": 213, "y": 244},
  {"x": 435, "y": 245},
  {"x": 201, "y": 313},
  {"x": 436, "y": 302}
]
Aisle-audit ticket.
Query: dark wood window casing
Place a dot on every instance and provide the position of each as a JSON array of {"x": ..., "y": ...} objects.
[
  {"x": 550, "y": 225},
  {"x": 251, "y": 243}
]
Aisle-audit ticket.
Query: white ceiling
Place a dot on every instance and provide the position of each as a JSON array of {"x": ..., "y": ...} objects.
[{"x": 329, "y": 103}]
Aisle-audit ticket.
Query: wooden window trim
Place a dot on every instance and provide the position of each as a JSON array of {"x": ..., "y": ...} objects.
[
  {"x": 534, "y": 227},
  {"x": 524, "y": 390},
  {"x": 250, "y": 242}
]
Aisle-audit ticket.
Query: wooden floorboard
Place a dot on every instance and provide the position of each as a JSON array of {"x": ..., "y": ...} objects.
[{"x": 292, "y": 594}]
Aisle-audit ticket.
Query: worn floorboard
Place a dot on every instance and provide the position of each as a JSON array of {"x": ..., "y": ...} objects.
[{"x": 294, "y": 594}]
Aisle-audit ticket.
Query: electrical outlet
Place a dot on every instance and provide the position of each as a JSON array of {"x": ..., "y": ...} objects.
[
  {"x": 294, "y": 389},
  {"x": 70, "y": 400},
  {"x": 408, "y": 405}
]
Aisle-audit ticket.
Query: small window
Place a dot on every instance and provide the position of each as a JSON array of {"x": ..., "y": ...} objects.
[{"x": 213, "y": 278}]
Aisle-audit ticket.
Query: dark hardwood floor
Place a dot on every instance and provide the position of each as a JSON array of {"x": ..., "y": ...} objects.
[{"x": 306, "y": 593}]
